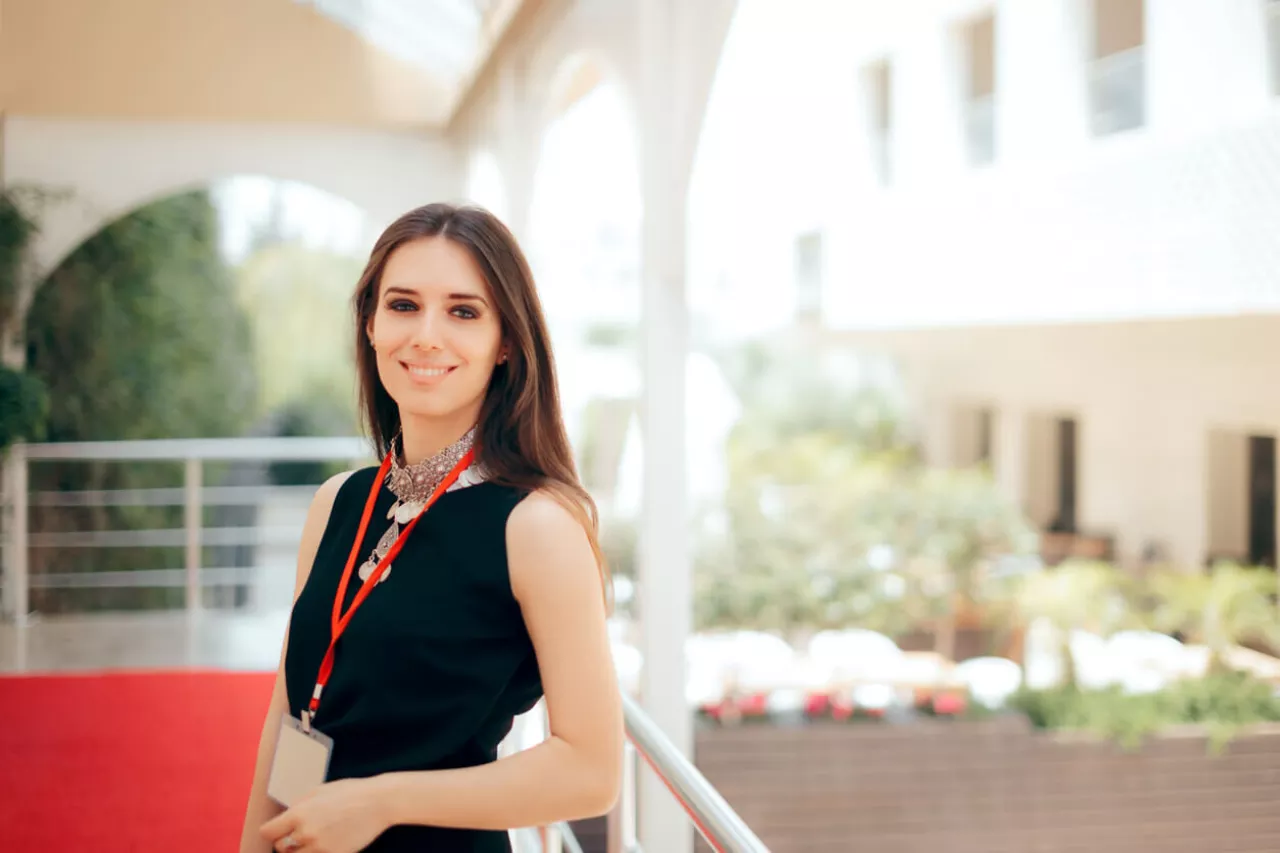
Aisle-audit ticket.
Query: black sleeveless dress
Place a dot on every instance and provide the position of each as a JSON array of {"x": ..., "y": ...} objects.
[{"x": 434, "y": 665}]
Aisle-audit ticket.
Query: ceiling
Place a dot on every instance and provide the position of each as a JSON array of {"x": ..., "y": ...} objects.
[
  {"x": 450, "y": 40},
  {"x": 385, "y": 63}
]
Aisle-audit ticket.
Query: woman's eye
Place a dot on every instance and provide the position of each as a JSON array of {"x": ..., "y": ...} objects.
[
  {"x": 401, "y": 305},
  {"x": 466, "y": 312}
]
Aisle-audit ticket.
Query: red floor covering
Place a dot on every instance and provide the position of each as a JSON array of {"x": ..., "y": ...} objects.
[{"x": 129, "y": 762}]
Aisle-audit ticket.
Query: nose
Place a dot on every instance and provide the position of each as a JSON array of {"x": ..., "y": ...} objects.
[{"x": 428, "y": 334}]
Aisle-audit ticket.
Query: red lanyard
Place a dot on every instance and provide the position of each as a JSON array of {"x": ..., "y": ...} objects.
[{"x": 339, "y": 621}]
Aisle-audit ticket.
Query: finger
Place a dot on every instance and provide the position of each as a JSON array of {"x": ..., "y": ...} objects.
[
  {"x": 279, "y": 826},
  {"x": 290, "y": 844}
]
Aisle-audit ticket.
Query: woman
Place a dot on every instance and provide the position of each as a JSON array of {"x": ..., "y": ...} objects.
[{"x": 479, "y": 579}]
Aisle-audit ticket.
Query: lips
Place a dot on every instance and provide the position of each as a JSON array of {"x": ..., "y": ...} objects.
[{"x": 426, "y": 374}]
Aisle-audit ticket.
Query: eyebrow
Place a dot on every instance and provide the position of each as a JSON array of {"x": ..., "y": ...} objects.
[{"x": 458, "y": 295}]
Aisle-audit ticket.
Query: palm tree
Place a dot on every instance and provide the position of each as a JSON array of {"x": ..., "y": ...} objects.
[
  {"x": 1221, "y": 608},
  {"x": 1076, "y": 595}
]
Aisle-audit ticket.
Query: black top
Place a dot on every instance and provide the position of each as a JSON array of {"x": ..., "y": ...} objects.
[{"x": 436, "y": 662}]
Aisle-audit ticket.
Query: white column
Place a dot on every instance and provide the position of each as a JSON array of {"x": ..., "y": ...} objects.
[
  {"x": 519, "y": 151},
  {"x": 1041, "y": 88},
  {"x": 939, "y": 434},
  {"x": 664, "y": 565},
  {"x": 1009, "y": 453}
]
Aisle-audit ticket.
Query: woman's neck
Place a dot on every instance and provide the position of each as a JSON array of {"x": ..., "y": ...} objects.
[{"x": 422, "y": 438}]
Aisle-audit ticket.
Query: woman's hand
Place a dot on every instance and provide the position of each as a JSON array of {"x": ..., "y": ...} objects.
[{"x": 338, "y": 817}]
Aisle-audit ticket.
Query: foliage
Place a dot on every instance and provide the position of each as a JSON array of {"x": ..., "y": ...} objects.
[
  {"x": 618, "y": 540},
  {"x": 24, "y": 402},
  {"x": 24, "y": 407},
  {"x": 794, "y": 392},
  {"x": 1224, "y": 702},
  {"x": 17, "y": 228},
  {"x": 830, "y": 519},
  {"x": 315, "y": 417},
  {"x": 136, "y": 336},
  {"x": 1222, "y": 608},
  {"x": 1076, "y": 595},
  {"x": 298, "y": 301}
]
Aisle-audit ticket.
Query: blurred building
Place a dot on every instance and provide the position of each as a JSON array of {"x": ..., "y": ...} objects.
[{"x": 1061, "y": 218}]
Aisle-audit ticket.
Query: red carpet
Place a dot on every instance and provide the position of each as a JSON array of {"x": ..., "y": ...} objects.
[{"x": 128, "y": 763}]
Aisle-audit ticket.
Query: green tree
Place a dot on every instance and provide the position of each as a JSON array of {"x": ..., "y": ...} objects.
[
  {"x": 298, "y": 301},
  {"x": 1222, "y": 608},
  {"x": 830, "y": 517},
  {"x": 137, "y": 336},
  {"x": 24, "y": 402},
  {"x": 1077, "y": 595}
]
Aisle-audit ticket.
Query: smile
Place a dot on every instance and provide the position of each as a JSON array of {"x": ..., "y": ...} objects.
[{"x": 427, "y": 374}]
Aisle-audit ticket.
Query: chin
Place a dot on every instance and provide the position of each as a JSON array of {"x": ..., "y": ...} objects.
[{"x": 435, "y": 407}]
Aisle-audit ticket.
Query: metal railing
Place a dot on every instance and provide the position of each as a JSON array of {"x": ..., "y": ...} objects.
[
  {"x": 193, "y": 496},
  {"x": 714, "y": 819},
  {"x": 722, "y": 828}
]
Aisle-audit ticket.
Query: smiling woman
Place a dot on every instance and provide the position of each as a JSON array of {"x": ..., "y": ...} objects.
[
  {"x": 436, "y": 339},
  {"x": 497, "y": 598}
]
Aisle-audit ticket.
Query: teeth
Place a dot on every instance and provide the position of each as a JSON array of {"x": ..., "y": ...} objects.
[{"x": 428, "y": 371}]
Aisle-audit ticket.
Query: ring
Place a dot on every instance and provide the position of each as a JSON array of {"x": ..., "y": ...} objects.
[{"x": 290, "y": 843}]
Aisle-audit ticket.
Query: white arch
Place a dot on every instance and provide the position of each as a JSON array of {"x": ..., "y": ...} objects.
[
  {"x": 584, "y": 242},
  {"x": 109, "y": 168},
  {"x": 486, "y": 184}
]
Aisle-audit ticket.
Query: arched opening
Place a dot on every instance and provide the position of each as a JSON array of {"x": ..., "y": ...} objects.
[
  {"x": 216, "y": 311},
  {"x": 486, "y": 185},
  {"x": 585, "y": 247}
]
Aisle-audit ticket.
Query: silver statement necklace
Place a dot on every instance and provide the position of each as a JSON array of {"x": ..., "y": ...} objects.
[{"x": 413, "y": 485}]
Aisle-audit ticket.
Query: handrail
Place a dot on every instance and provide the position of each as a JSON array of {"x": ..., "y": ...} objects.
[
  {"x": 714, "y": 818},
  {"x": 192, "y": 495},
  {"x": 205, "y": 449}
]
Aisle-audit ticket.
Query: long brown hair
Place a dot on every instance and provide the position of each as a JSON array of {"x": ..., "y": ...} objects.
[{"x": 520, "y": 438}]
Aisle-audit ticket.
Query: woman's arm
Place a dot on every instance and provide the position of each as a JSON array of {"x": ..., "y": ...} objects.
[
  {"x": 577, "y": 771},
  {"x": 260, "y": 807}
]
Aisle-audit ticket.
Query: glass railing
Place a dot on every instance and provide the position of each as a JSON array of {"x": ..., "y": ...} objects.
[{"x": 1117, "y": 92}]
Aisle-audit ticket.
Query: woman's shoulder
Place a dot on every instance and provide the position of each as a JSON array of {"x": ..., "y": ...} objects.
[
  {"x": 541, "y": 516},
  {"x": 339, "y": 488}
]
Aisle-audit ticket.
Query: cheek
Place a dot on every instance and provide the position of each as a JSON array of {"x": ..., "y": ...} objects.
[{"x": 484, "y": 345}]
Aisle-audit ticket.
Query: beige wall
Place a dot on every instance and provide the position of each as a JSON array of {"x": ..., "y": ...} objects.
[
  {"x": 1228, "y": 522},
  {"x": 1148, "y": 395},
  {"x": 229, "y": 60}
]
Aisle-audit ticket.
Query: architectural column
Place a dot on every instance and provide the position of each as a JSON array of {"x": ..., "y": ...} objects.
[
  {"x": 939, "y": 434},
  {"x": 1041, "y": 83},
  {"x": 664, "y": 561},
  {"x": 519, "y": 149},
  {"x": 1009, "y": 453}
]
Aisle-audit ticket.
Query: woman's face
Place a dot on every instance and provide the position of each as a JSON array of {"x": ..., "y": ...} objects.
[{"x": 436, "y": 331}]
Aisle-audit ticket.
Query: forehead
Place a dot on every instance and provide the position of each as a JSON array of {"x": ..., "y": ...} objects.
[{"x": 433, "y": 264}]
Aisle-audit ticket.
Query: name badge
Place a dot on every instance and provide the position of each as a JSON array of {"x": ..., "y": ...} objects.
[{"x": 301, "y": 762}]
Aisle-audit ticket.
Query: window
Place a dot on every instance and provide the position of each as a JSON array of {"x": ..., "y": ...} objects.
[
  {"x": 978, "y": 46},
  {"x": 878, "y": 94},
  {"x": 1117, "y": 66},
  {"x": 809, "y": 263}
]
